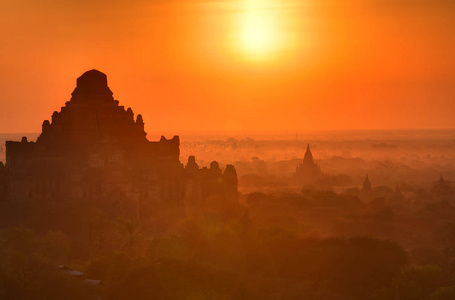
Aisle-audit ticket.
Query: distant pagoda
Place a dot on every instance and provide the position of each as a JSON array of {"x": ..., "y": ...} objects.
[
  {"x": 442, "y": 190},
  {"x": 366, "y": 187},
  {"x": 307, "y": 171}
]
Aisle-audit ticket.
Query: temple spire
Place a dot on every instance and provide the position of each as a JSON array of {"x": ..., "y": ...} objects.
[
  {"x": 366, "y": 185},
  {"x": 308, "y": 155},
  {"x": 441, "y": 179}
]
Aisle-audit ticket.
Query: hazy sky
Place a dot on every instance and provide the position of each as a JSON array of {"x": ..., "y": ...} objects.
[{"x": 251, "y": 65}]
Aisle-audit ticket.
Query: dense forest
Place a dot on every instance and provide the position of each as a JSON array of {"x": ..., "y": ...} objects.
[{"x": 308, "y": 245}]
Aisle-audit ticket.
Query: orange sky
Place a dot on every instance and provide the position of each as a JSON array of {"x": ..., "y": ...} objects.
[{"x": 235, "y": 65}]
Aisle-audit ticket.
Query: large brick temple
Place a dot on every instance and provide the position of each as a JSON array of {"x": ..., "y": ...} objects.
[{"x": 94, "y": 148}]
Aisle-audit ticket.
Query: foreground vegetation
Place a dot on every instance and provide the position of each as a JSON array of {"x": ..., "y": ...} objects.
[{"x": 215, "y": 250}]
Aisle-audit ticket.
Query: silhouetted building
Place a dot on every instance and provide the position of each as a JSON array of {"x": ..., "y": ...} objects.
[
  {"x": 93, "y": 148},
  {"x": 398, "y": 197},
  {"x": 366, "y": 187},
  {"x": 230, "y": 182},
  {"x": 203, "y": 183},
  {"x": 366, "y": 193},
  {"x": 442, "y": 191},
  {"x": 307, "y": 172}
]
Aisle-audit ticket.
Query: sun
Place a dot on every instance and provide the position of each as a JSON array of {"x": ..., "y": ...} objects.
[{"x": 260, "y": 32}]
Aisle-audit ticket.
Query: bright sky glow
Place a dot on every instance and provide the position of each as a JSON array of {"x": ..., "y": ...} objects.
[
  {"x": 261, "y": 31},
  {"x": 235, "y": 64}
]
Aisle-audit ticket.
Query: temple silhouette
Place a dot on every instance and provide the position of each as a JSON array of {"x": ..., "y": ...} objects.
[
  {"x": 366, "y": 186},
  {"x": 442, "y": 190},
  {"x": 307, "y": 171},
  {"x": 95, "y": 149}
]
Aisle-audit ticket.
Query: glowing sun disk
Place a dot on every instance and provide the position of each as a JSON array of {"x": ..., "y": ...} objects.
[{"x": 260, "y": 32}]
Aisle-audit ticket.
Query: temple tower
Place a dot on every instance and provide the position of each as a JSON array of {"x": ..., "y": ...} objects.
[{"x": 308, "y": 171}]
